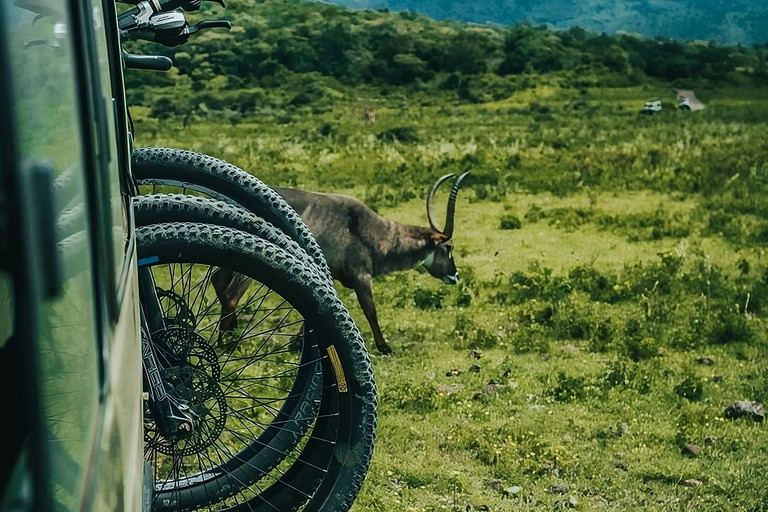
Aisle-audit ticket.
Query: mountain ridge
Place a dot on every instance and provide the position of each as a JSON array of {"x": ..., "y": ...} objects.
[{"x": 736, "y": 22}]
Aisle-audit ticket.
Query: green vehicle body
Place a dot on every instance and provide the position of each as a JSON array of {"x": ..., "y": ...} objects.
[{"x": 70, "y": 358}]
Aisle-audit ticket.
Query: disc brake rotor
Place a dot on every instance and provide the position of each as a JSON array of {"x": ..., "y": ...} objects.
[
  {"x": 175, "y": 309},
  {"x": 207, "y": 405},
  {"x": 189, "y": 349},
  {"x": 191, "y": 375}
]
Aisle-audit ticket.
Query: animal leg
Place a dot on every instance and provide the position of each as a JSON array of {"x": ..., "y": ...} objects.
[
  {"x": 364, "y": 293},
  {"x": 230, "y": 288}
]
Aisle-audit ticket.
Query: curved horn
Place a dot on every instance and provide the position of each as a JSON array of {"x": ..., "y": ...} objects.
[
  {"x": 431, "y": 197},
  {"x": 448, "y": 231}
]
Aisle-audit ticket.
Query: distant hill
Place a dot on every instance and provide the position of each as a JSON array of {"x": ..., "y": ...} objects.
[
  {"x": 725, "y": 21},
  {"x": 287, "y": 55}
]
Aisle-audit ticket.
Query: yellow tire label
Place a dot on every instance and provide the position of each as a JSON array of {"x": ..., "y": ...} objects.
[{"x": 341, "y": 380}]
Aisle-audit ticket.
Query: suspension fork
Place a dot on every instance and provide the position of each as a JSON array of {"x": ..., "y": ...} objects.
[
  {"x": 150, "y": 303},
  {"x": 174, "y": 418}
]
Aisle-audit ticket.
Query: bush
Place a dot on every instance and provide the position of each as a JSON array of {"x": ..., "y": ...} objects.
[
  {"x": 510, "y": 222},
  {"x": 568, "y": 388},
  {"x": 536, "y": 312},
  {"x": 403, "y": 134},
  {"x": 691, "y": 387},
  {"x": 535, "y": 213},
  {"x": 428, "y": 299},
  {"x": 471, "y": 335},
  {"x": 534, "y": 338},
  {"x": 600, "y": 287},
  {"x": 624, "y": 374},
  {"x": 728, "y": 325},
  {"x": 638, "y": 344},
  {"x": 536, "y": 282},
  {"x": 578, "y": 318}
]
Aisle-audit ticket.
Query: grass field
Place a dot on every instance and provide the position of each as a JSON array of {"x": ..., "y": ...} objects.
[{"x": 608, "y": 332}]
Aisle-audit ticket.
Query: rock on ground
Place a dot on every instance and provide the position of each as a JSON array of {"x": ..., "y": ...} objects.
[{"x": 745, "y": 409}]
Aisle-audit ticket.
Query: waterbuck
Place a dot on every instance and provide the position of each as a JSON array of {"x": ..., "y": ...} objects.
[{"x": 359, "y": 245}]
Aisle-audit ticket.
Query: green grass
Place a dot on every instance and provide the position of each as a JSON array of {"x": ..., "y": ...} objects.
[
  {"x": 440, "y": 445},
  {"x": 627, "y": 269}
]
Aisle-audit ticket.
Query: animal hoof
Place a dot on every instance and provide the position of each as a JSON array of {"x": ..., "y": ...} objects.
[{"x": 384, "y": 350}]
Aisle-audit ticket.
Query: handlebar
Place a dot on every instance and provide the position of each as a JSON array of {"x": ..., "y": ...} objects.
[
  {"x": 155, "y": 20},
  {"x": 140, "y": 15},
  {"x": 169, "y": 5},
  {"x": 151, "y": 21},
  {"x": 173, "y": 30},
  {"x": 151, "y": 62}
]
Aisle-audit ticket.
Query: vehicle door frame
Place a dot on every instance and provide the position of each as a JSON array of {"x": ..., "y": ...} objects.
[{"x": 108, "y": 292}]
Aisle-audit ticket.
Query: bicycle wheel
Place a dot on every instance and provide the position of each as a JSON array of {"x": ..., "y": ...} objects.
[
  {"x": 307, "y": 388},
  {"x": 181, "y": 170},
  {"x": 165, "y": 208},
  {"x": 224, "y": 464},
  {"x": 162, "y": 208}
]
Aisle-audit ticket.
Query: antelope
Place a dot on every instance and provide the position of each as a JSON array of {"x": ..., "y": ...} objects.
[
  {"x": 370, "y": 115},
  {"x": 359, "y": 245}
]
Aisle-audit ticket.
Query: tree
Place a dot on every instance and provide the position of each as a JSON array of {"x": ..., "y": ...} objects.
[
  {"x": 514, "y": 64},
  {"x": 406, "y": 67},
  {"x": 616, "y": 59},
  {"x": 469, "y": 53}
]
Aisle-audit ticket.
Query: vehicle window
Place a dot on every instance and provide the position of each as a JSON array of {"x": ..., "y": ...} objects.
[
  {"x": 39, "y": 41},
  {"x": 117, "y": 203}
]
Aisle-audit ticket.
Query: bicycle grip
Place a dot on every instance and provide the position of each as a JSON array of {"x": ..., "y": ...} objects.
[
  {"x": 151, "y": 62},
  {"x": 214, "y": 24}
]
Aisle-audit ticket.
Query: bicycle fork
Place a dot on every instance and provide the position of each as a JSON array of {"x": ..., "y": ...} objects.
[{"x": 174, "y": 418}]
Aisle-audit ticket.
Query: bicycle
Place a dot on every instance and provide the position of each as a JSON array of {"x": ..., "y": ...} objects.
[{"x": 327, "y": 416}]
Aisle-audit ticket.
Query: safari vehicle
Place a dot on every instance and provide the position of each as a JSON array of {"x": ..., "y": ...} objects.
[
  {"x": 652, "y": 107},
  {"x": 70, "y": 355}
]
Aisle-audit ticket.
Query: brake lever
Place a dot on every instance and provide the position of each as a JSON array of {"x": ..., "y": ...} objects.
[
  {"x": 205, "y": 25},
  {"x": 173, "y": 38},
  {"x": 187, "y": 5}
]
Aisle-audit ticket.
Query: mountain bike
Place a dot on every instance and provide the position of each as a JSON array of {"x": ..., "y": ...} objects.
[{"x": 280, "y": 413}]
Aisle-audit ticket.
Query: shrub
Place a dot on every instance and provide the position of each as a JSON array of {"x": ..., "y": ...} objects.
[
  {"x": 510, "y": 222},
  {"x": 601, "y": 338},
  {"x": 569, "y": 219},
  {"x": 578, "y": 318},
  {"x": 463, "y": 299},
  {"x": 658, "y": 276},
  {"x": 691, "y": 387},
  {"x": 403, "y": 134},
  {"x": 639, "y": 342},
  {"x": 537, "y": 108},
  {"x": 536, "y": 312},
  {"x": 483, "y": 339},
  {"x": 534, "y": 338},
  {"x": 428, "y": 299},
  {"x": 644, "y": 348},
  {"x": 536, "y": 282},
  {"x": 535, "y": 213},
  {"x": 600, "y": 287},
  {"x": 728, "y": 325},
  {"x": 471, "y": 335},
  {"x": 626, "y": 375},
  {"x": 567, "y": 388}
]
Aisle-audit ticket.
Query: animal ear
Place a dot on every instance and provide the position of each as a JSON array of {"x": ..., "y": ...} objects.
[{"x": 438, "y": 238}]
